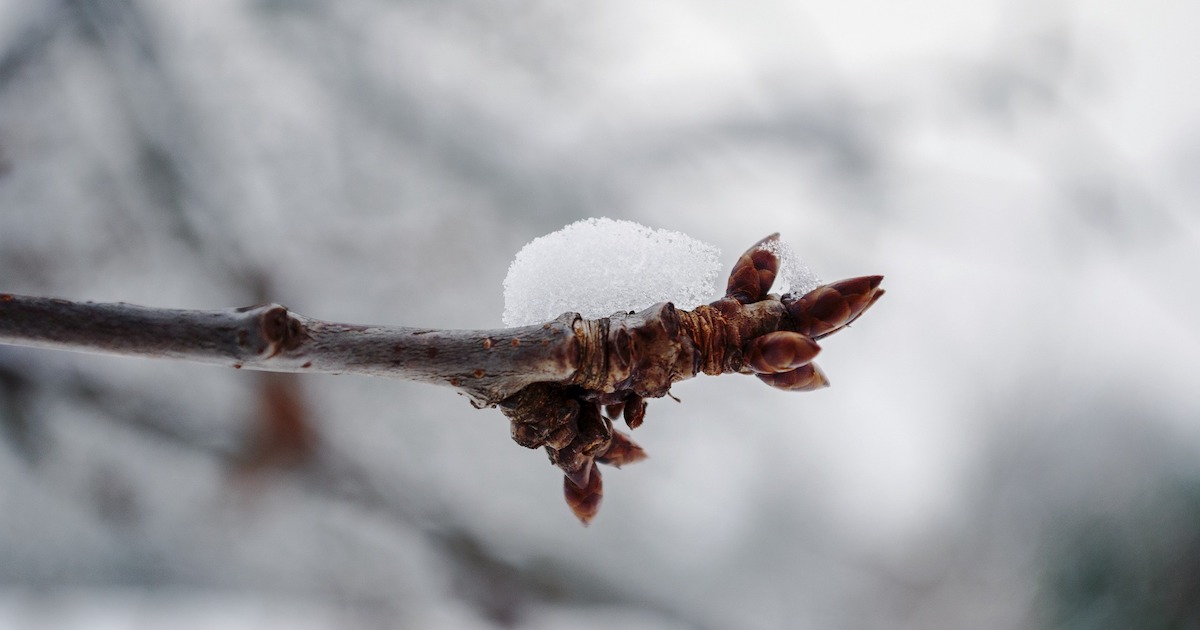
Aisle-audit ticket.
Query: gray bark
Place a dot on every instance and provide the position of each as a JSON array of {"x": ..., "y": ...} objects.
[{"x": 488, "y": 365}]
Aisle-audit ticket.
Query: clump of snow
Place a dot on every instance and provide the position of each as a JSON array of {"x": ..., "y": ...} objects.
[
  {"x": 597, "y": 267},
  {"x": 794, "y": 276}
]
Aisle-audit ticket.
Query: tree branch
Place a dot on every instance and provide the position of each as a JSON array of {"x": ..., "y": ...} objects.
[
  {"x": 488, "y": 365},
  {"x": 561, "y": 383}
]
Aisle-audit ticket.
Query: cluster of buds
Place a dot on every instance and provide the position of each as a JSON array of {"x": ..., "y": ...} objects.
[{"x": 629, "y": 357}]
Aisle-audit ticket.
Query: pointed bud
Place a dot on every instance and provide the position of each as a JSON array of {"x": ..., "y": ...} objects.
[
  {"x": 622, "y": 451},
  {"x": 635, "y": 411},
  {"x": 584, "y": 501},
  {"x": 581, "y": 473},
  {"x": 780, "y": 351},
  {"x": 753, "y": 273},
  {"x": 802, "y": 379},
  {"x": 831, "y": 307},
  {"x": 614, "y": 411}
]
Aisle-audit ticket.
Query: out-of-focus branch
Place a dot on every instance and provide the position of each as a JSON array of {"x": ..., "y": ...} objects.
[{"x": 561, "y": 383}]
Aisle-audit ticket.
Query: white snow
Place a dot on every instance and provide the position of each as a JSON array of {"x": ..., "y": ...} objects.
[
  {"x": 597, "y": 267},
  {"x": 794, "y": 276}
]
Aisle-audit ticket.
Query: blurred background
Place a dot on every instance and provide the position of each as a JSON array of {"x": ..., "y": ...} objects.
[{"x": 1012, "y": 435}]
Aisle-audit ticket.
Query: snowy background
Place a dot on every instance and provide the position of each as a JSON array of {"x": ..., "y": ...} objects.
[{"x": 1012, "y": 438}]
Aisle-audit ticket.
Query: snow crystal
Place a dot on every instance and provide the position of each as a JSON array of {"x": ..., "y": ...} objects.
[
  {"x": 794, "y": 276},
  {"x": 597, "y": 267}
]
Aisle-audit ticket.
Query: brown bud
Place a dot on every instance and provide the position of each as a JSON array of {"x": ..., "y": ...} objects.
[
  {"x": 614, "y": 411},
  {"x": 780, "y": 351},
  {"x": 559, "y": 438},
  {"x": 802, "y": 379},
  {"x": 753, "y": 273},
  {"x": 528, "y": 435},
  {"x": 595, "y": 431},
  {"x": 831, "y": 307},
  {"x": 622, "y": 451},
  {"x": 635, "y": 411},
  {"x": 541, "y": 415},
  {"x": 584, "y": 500},
  {"x": 581, "y": 473}
]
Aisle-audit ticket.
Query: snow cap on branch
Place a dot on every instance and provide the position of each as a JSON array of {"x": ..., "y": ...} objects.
[{"x": 597, "y": 267}]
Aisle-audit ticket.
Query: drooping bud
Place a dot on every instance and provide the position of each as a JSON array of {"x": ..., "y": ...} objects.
[
  {"x": 780, "y": 351},
  {"x": 584, "y": 500},
  {"x": 802, "y": 379},
  {"x": 635, "y": 411},
  {"x": 581, "y": 473},
  {"x": 541, "y": 416},
  {"x": 831, "y": 307},
  {"x": 754, "y": 273},
  {"x": 622, "y": 451}
]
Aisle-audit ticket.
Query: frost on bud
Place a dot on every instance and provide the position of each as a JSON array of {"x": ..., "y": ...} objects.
[
  {"x": 754, "y": 273},
  {"x": 831, "y": 307},
  {"x": 780, "y": 351},
  {"x": 802, "y": 379}
]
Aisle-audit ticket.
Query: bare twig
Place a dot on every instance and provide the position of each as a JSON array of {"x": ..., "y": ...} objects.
[
  {"x": 489, "y": 365},
  {"x": 552, "y": 380}
]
